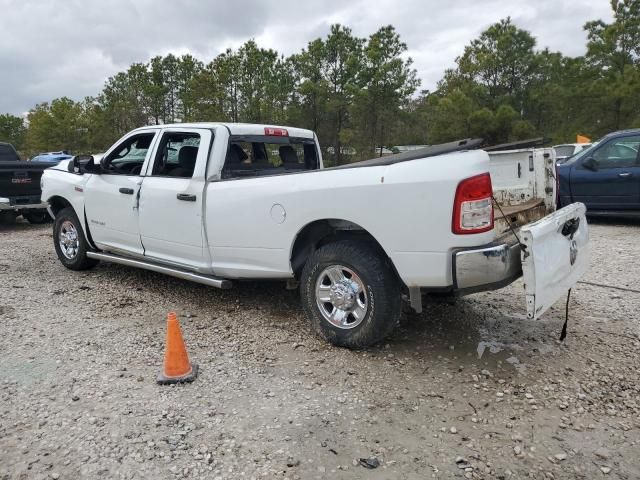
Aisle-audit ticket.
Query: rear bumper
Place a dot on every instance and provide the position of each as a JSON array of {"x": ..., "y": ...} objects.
[
  {"x": 486, "y": 268},
  {"x": 12, "y": 204}
]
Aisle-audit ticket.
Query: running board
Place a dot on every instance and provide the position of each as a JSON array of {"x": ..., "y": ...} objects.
[{"x": 174, "y": 272}]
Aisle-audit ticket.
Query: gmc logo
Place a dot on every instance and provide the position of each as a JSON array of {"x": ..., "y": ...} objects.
[{"x": 20, "y": 180}]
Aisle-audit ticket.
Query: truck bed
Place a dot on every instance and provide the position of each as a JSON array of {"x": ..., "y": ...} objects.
[
  {"x": 21, "y": 179},
  {"x": 524, "y": 186},
  {"x": 426, "y": 152}
]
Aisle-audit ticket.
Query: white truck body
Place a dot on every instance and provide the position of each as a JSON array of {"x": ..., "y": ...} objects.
[{"x": 254, "y": 226}]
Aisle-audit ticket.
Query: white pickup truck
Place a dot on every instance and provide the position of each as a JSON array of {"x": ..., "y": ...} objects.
[{"x": 214, "y": 203}]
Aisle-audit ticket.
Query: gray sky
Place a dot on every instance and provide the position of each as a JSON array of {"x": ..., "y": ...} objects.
[{"x": 53, "y": 48}]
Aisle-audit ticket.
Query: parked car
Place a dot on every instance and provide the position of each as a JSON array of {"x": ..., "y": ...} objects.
[
  {"x": 215, "y": 203},
  {"x": 565, "y": 151},
  {"x": 20, "y": 187},
  {"x": 605, "y": 177},
  {"x": 52, "y": 157}
]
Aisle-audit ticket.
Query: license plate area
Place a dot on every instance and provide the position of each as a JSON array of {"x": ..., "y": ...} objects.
[{"x": 555, "y": 256}]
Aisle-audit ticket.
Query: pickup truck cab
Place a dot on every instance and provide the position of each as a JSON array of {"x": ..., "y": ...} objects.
[
  {"x": 605, "y": 177},
  {"x": 217, "y": 203}
]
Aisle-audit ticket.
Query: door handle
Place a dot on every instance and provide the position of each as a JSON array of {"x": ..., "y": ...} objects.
[
  {"x": 186, "y": 197},
  {"x": 126, "y": 191},
  {"x": 624, "y": 175}
]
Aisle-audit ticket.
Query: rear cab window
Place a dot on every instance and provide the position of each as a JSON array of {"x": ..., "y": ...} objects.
[
  {"x": 8, "y": 153},
  {"x": 264, "y": 155}
]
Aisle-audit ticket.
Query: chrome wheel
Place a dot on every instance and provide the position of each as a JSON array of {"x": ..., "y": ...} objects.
[
  {"x": 68, "y": 240},
  {"x": 341, "y": 297}
]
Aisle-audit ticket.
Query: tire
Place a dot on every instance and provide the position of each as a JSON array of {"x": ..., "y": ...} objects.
[
  {"x": 68, "y": 229},
  {"x": 37, "y": 217},
  {"x": 363, "y": 302}
]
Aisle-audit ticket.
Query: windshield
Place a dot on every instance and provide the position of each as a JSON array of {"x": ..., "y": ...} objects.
[{"x": 583, "y": 153}]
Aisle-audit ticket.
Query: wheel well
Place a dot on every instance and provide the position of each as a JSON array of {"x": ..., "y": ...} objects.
[
  {"x": 321, "y": 232},
  {"x": 58, "y": 203}
]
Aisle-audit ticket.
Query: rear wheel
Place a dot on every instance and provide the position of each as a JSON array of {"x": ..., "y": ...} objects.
[
  {"x": 350, "y": 294},
  {"x": 37, "y": 217},
  {"x": 70, "y": 242}
]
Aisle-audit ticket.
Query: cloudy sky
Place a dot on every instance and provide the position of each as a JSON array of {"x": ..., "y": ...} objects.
[{"x": 53, "y": 48}]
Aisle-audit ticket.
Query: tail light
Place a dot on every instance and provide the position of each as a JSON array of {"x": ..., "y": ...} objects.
[{"x": 472, "y": 207}]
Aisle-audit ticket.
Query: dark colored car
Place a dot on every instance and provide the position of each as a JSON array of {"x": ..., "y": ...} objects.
[{"x": 605, "y": 177}]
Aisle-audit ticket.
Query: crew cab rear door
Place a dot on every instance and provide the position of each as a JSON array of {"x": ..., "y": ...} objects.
[
  {"x": 554, "y": 257},
  {"x": 171, "y": 198}
]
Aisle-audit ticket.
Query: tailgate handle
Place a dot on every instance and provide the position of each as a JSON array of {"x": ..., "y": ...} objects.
[
  {"x": 126, "y": 191},
  {"x": 570, "y": 227},
  {"x": 186, "y": 197}
]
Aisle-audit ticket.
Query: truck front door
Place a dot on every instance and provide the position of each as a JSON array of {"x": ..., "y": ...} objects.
[{"x": 111, "y": 197}]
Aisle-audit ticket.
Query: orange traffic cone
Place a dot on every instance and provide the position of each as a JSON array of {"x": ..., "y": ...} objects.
[{"x": 177, "y": 368}]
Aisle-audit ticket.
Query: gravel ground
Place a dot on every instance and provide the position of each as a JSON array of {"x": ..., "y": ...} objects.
[{"x": 470, "y": 389}]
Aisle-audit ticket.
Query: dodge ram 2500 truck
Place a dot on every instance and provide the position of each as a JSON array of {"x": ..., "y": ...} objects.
[{"x": 216, "y": 203}]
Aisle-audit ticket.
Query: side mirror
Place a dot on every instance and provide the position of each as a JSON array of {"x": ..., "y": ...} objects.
[
  {"x": 83, "y": 164},
  {"x": 590, "y": 163}
]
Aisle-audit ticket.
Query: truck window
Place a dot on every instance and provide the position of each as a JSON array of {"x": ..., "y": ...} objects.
[
  {"x": 261, "y": 156},
  {"x": 128, "y": 157},
  {"x": 176, "y": 155},
  {"x": 7, "y": 153}
]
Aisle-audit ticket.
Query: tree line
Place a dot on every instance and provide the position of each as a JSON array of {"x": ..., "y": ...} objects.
[{"x": 360, "y": 94}]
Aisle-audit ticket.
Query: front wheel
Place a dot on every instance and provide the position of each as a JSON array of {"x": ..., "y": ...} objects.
[
  {"x": 70, "y": 242},
  {"x": 350, "y": 294}
]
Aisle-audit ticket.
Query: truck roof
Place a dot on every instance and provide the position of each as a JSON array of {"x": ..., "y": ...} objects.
[{"x": 240, "y": 128}]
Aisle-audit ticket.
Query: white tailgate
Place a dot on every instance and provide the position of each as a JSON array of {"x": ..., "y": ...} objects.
[{"x": 556, "y": 256}]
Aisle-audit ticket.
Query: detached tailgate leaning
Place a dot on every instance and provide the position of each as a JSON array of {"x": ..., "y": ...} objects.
[{"x": 556, "y": 256}]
